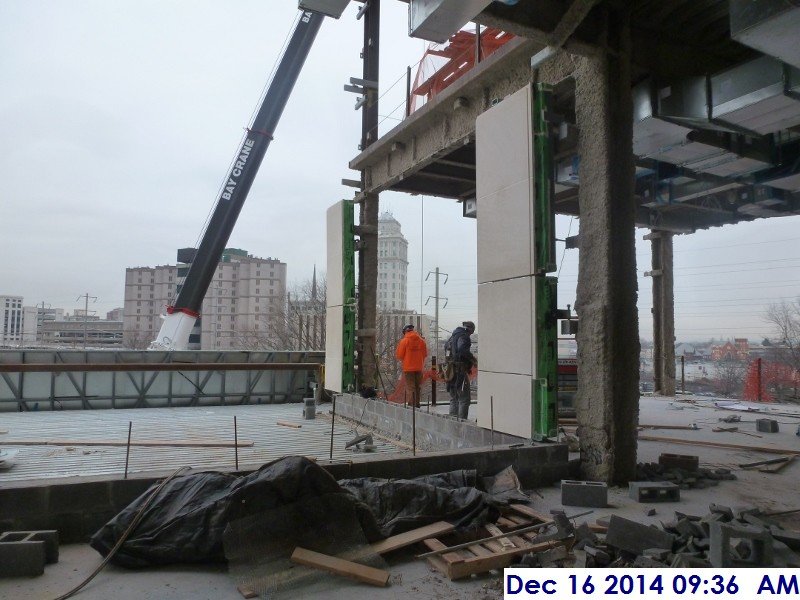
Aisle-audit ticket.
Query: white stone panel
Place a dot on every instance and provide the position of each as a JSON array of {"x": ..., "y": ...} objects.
[
  {"x": 512, "y": 400},
  {"x": 335, "y": 267},
  {"x": 505, "y": 233},
  {"x": 505, "y": 314},
  {"x": 504, "y": 144},
  {"x": 505, "y": 189},
  {"x": 334, "y": 320}
]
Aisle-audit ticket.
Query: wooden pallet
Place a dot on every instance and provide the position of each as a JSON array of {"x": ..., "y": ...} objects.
[{"x": 495, "y": 554}]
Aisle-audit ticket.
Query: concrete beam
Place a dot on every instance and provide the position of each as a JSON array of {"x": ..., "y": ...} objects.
[{"x": 440, "y": 127}]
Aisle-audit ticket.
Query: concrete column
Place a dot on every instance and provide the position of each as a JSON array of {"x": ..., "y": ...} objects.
[
  {"x": 663, "y": 312},
  {"x": 608, "y": 335}
]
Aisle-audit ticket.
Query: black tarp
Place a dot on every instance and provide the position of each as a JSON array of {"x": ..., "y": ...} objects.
[{"x": 186, "y": 521}]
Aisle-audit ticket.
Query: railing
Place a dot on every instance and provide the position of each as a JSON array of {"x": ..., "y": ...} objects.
[{"x": 59, "y": 380}]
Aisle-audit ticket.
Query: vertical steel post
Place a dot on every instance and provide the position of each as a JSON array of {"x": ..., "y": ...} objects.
[
  {"x": 408, "y": 91},
  {"x": 491, "y": 418},
  {"x": 368, "y": 207},
  {"x": 236, "y": 442},
  {"x": 544, "y": 392}
]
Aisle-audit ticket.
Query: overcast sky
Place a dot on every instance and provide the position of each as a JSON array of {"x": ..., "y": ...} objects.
[{"x": 119, "y": 119}]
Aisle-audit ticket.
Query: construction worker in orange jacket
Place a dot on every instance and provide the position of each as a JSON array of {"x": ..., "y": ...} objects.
[{"x": 412, "y": 350}]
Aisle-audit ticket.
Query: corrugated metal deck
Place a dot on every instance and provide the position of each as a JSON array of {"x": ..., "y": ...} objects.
[{"x": 257, "y": 424}]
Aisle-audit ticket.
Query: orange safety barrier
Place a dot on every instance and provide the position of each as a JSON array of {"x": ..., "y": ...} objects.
[{"x": 398, "y": 395}]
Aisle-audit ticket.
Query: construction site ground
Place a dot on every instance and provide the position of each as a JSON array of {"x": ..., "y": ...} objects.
[{"x": 413, "y": 578}]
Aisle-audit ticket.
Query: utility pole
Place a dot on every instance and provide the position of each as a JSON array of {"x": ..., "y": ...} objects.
[
  {"x": 437, "y": 274},
  {"x": 40, "y": 321},
  {"x": 86, "y": 298}
]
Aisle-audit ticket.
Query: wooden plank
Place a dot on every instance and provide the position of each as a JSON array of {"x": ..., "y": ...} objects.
[
  {"x": 530, "y": 512},
  {"x": 518, "y": 520},
  {"x": 338, "y": 566},
  {"x": 504, "y": 541},
  {"x": 448, "y": 557},
  {"x": 506, "y": 522},
  {"x": 288, "y": 424},
  {"x": 595, "y": 528},
  {"x": 500, "y": 560},
  {"x": 480, "y": 550},
  {"x": 765, "y": 449},
  {"x": 763, "y": 463},
  {"x": 139, "y": 443},
  {"x": 412, "y": 537},
  {"x": 779, "y": 467}
]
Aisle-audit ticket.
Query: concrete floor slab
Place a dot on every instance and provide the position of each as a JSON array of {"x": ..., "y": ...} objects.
[{"x": 257, "y": 424}]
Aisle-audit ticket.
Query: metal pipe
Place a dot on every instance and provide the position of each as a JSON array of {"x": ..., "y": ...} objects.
[
  {"x": 236, "y": 441},
  {"x": 408, "y": 91},
  {"x": 128, "y": 448}
]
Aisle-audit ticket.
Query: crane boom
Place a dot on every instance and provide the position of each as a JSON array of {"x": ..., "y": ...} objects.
[{"x": 181, "y": 317}]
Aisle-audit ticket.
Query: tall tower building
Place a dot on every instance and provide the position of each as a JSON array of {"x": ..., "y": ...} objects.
[{"x": 392, "y": 265}]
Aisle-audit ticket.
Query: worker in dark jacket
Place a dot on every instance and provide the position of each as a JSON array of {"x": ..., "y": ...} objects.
[
  {"x": 457, "y": 352},
  {"x": 412, "y": 351}
]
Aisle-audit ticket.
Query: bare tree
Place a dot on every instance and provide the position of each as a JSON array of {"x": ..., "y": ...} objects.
[
  {"x": 299, "y": 324},
  {"x": 137, "y": 340},
  {"x": 785, "y": 317},
  {"x": 729, "y": 376}
]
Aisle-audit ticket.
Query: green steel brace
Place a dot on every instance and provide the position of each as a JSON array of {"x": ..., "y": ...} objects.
[
  {"x": 349, "y": 283},
  {"x": 545, "y": 391}
]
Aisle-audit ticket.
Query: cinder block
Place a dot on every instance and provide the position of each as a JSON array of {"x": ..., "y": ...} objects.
[
  {"x": 49, "y": 537},
  {"x": 654, "y": 491},
  {"x": 21, "y": 558},
  {"x": 722, "y": 553},
  {"x": 686, "y": 462},
  {"x": 634, "y": 537},
  {"x": 767, "y": 425},
  {"x": 593, "y": 494}
]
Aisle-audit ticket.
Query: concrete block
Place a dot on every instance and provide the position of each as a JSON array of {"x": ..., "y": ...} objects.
[
  {"x": 593, "y": 494},
  {"x": 654, "y": 491},
  {"x": 49, "y": 537},
  {"x": 21, "y": 558},
  {"x": 767, "y": 425},
  {"x": 790, "y": 538},
  {"x": 634, "y": 537},
  {"x": 687, "y": 462},
  {"x": 726, "y": 539}
]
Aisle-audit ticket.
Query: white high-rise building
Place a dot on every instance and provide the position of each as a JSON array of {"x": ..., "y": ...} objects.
[
  {"x": 392, "y": 265},
  {"x": 244, "y": 294}
]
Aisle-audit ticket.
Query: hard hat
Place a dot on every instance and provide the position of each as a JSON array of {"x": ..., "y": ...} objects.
[
  {"x": 408, "y": 327},
  {"x": 468, "y": 325}
]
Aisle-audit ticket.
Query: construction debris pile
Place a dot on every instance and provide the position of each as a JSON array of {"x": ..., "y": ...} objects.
[
  {"x": 721, "y": 538},
  {"x": 698, "y": 477}
]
